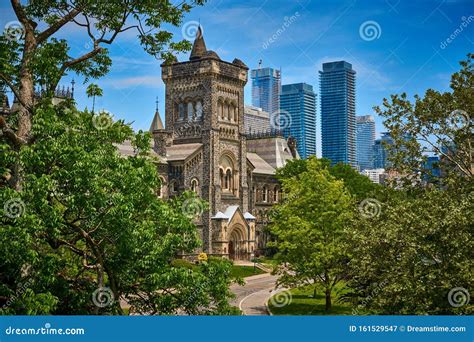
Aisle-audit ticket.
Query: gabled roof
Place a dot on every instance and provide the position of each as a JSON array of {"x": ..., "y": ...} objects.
[
  {"x": 127, "y": 150},
  {"x": 230, "y": 211},
  {"x": 182, "y": 151},
  {"x": 220, "y": 216},
  {"x": 260, "y": 165},
  {"x": 249, "y": 216}
]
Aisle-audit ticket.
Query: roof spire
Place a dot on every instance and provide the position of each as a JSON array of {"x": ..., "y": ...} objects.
[
  {"x": 199, "y": 46},
  {"x": 156, "y": 123}
]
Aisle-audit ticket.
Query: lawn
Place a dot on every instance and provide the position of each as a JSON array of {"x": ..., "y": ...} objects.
[
  {"x": 245, "y": 271},
  {"x": 237, "y": 271},
  {"x": 303, "y": 303}
]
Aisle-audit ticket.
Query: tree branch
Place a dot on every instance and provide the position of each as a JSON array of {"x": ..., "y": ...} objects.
[{"x": 57, "y": 25}]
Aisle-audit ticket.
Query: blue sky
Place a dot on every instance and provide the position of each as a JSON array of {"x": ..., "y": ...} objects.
[{"x": 407, "y": 54}]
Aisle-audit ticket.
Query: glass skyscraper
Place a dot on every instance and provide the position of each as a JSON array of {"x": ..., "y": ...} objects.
[
  {"x": 266, "y": 88},
  {"x": 338, "y": 119},
  {"x": 299, "y": 100},
  {"x": 365, "y": 141},
  {"x": 381, "y": 152}
]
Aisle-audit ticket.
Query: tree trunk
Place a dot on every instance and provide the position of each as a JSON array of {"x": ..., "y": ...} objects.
[
  {"x": 328, "y": 300},
  {"x": 26, "y": 102}
]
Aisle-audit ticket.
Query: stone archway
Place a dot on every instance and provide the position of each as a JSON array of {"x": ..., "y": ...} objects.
[{"x": 238, "y": 243}]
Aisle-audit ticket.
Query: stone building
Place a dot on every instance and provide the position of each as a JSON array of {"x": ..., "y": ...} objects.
[{"x": 203, "y": 147}]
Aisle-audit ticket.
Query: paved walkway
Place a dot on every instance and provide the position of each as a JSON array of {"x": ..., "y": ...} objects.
[{"x": 251, "y": 298}]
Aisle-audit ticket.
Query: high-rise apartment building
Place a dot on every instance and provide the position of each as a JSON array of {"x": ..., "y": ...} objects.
[
  {"x": 338, "y": 119},
  {"x": 365, "y": 141},
  {"x": 299, "y": 102},
  {"x": 266, "y": 88}
]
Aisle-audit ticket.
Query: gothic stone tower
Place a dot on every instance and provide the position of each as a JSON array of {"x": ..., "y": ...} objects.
[{"x": 205, "y": 117}]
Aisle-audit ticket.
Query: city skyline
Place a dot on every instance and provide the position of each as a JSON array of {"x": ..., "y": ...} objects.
[{"x": 298, "y": 38}]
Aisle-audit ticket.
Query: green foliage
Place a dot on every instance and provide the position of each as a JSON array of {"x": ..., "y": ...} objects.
[
  {"x": 407, "y": 259},
  {"x": 359, "y": 186},
  {"x": 309, "y": 226},
  {"x": 92, "y": 219},
  {"x": 437, "y": 122},
  {"x": 50, "y": 57}
]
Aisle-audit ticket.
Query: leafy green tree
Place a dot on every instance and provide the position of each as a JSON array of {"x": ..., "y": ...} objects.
[
  {"x": 93, "y": 90},
  {"x": 88, "y": 231},
  {"x": 437, "y": 122},
  {"x": 359, "y": 186},
  {"x": 415, "y": 256},
  {"x": 39, "y": 56},
  {"x": 309, "y": 226}
]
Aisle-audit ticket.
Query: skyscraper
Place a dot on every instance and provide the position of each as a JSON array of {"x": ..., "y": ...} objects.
[
  {"x": 365, "y": 141},
  {"x": 266, "y": 88},
  {"x": 299, "y": 100},
  {"x": 381, "y": 152},
  {"x": 338, "y": 122}
]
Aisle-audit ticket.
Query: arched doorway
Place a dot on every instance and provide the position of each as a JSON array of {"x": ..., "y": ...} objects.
[{"x": 237, "y": 244}]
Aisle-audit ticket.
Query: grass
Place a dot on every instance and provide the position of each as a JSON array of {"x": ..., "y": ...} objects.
[
  {"x": 237, "y": 271},
  {"x": 267, "y": 262},
  {"x": 244, "y": 271},
  {"x": 303, "y": 303}
]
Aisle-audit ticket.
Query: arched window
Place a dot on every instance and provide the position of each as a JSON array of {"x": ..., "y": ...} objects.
[
  {"x": 194, "y": 185},
  {"x": 227, "y": 173},
  {"x": 230, "y": 111},
  {"x": 220, "y": 109},
  {"x": 190, "y": 111},
  {"x": 198, "y": 110},
  {"x": 181, "y": 111},
  {"x": 275, "y": 194},
  {"x": 236, "y": 114},
  {"x": 174, "y": 186},
  {"x": 228, "y": 180},
  {"x": 221, "y": 176},
  {"x": 264, "y": 194}
]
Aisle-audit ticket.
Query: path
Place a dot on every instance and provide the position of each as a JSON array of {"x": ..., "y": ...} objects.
[{"x": 251, "y": 298}]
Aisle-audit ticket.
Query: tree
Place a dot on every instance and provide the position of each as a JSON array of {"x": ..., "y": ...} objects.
[
  {"x": 93, "y": 90},
  {"x": 39, "y": 57},
  {"x": 309, "y": 226},
  {"x": 415, "y": 256},
  {"x": 87, "y": 229},
  {"x": 359, "y": 186},
  {"x": 437, "y": 122}
]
